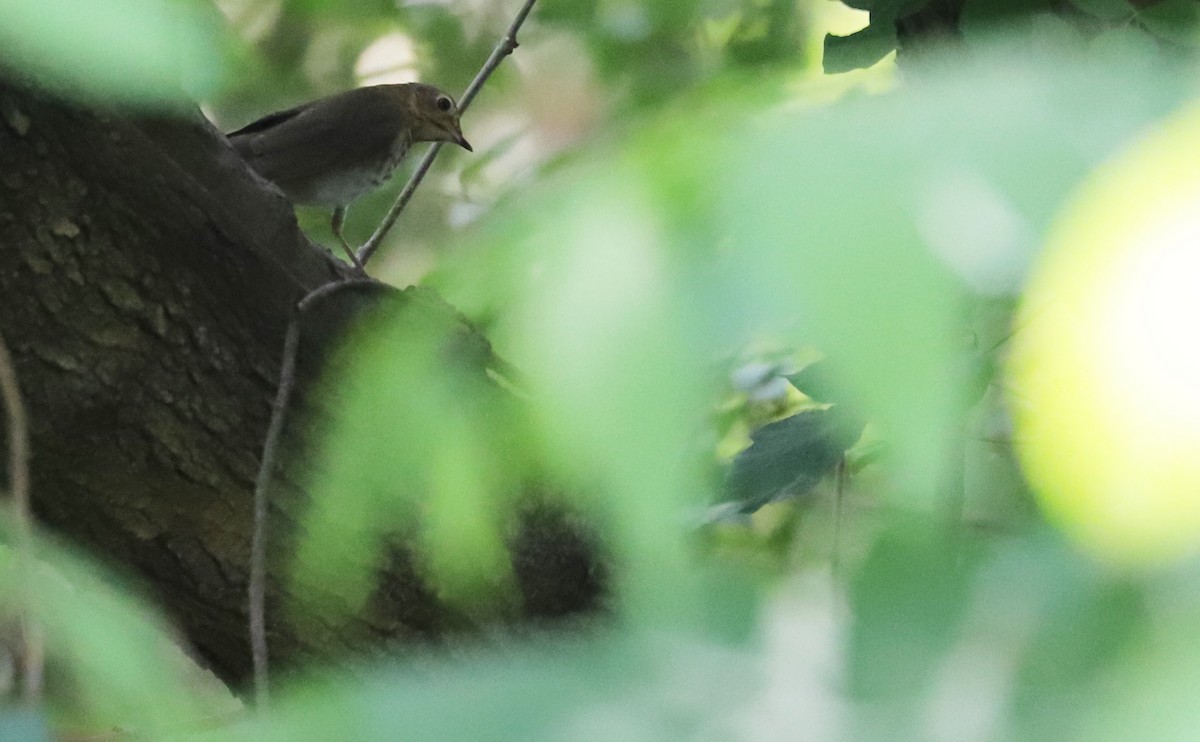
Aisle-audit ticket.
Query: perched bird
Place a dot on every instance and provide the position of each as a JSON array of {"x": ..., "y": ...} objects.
[{"x": 332, "y": 150}]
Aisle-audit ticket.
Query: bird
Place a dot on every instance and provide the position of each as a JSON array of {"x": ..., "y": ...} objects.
[{"x": 330, "y": 151}]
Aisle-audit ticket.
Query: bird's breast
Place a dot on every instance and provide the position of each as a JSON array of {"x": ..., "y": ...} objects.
[{"x": 340, "y": 187}]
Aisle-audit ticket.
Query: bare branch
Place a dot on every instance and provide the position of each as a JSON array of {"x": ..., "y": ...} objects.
[
  {"x": 505, "y": 47},
  {"x": 258, "y": 543},
  {"x": 18, "y": 473}
]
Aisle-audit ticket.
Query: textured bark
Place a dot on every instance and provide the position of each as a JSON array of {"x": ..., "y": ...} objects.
[{"x": 147, "y": 281}]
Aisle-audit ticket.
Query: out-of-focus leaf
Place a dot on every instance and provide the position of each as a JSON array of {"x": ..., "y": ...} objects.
[
  {"x": 907, "y": 599},
  {"x": 865, "y": 224},
  {"x": 1083, "y": 632},
  {"x": 1109, "y": 10},
  {"x": 871, "y": 44},
  {"x": 1125, "y": 43},
  {"x": 424, "y": 441},
  {"x": 815, "y": 382},
  {"x": 990, "y": 11},
  {"x": 1104, "y": 397},
  {"x": 344, "y": 9},
  {"x": 24, "y": 725},
  {"x": 761, "y": 383},
  {"x": 1143, "y": 691},
  {"x": 640, "y": 686},
  {"x": 604, "y": 335},
  {"x": 113, "y": 661},
  {"x": 767, "y": 34},
  {"x": 1177, "y": 21},
  {"x": 664, "y": 14},
  {"x": 138, "y": 51},
  {"x": 860, "y": 49},
  {"x": 886, "y": 11},
  {"x": 1026, "y": 27},
  {"x": 592, "y": 282},
  {"x": 787, "y": 458},
  {"x": 575, "y": 13}
]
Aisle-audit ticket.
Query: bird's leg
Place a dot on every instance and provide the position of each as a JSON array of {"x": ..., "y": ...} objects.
[{"x": 339, "y": 216}]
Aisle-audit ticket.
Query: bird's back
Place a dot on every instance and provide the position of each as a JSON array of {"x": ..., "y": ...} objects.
[{"x": 332, "y": 150}]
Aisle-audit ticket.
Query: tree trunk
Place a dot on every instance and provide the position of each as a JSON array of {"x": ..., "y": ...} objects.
[{"x": 148, "y": 278}]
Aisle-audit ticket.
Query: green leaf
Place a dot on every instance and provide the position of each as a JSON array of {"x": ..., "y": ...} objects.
[
  {"x": 423, "y": 443},
  {"x": 979, "y": 10},
  {"x": 145, "y": 52},
  {"x": 870, "y": 223},
  {"x": 871, "y": 44},
  {"x": 815, "y": 382},
  {"x": 1125, "y": 43},
  {"x": 349, "y": 9},
  {"x": 985, "y": 18},
  {"x": 1177, "y": 21},
  {"x": 788, "y": 457},
  {"x": 860, "y": 49},
  {"x": 1109, "y": 10},
  {"x": 1083, "y": 632},
  {"x": 113, "y": 661},
  {"x": 632, "y": 686},
  {"x": 886, "y": 11},
  {"x": 912, "y": 578}
]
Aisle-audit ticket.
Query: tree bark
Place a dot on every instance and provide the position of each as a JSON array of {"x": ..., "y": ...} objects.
[{"x": 148, "y": 278}]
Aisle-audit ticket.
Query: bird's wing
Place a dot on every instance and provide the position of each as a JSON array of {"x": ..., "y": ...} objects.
[
  {"x": 265, "y": 123},
  {"x": 320, "y": 137}
]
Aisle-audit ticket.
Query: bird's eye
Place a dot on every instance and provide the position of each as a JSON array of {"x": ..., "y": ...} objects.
[{"x": 444, "y": 103}]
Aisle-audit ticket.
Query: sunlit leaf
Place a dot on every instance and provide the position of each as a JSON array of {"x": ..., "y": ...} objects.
[{"x": 1107, "y": 409}]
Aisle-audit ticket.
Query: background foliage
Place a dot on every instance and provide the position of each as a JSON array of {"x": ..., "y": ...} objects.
[{"x": 692, "y": 240}]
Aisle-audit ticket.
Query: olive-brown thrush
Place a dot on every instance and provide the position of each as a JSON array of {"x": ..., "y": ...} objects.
[{"x": 332, "y": 150}]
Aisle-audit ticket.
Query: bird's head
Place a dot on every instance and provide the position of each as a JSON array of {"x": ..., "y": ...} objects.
[{"x": 435, "y": 117}]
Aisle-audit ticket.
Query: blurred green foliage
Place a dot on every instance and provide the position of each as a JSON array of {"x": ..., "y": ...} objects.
[
  {"x": 663, "y": 190},
  {"x": 139, "y": 52},
  {"x": 110, "y": 661},
  {"x": 1167, "y": 27}
]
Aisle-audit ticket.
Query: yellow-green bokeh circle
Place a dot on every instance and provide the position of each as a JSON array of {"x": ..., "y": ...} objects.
[{"x": 1105, "y": 368}]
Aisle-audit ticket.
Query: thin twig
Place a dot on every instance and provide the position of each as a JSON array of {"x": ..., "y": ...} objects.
[
  {"x": 258, "y": 543},
  {"x": 505, "y": 47},
  {"x": 18, "y": 473},
  {"x": 333, "y": 287},
  {"x": 841, "y": 477}
]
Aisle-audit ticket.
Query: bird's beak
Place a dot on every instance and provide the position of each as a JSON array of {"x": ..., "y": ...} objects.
[{"x": 458, "y": 138}]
